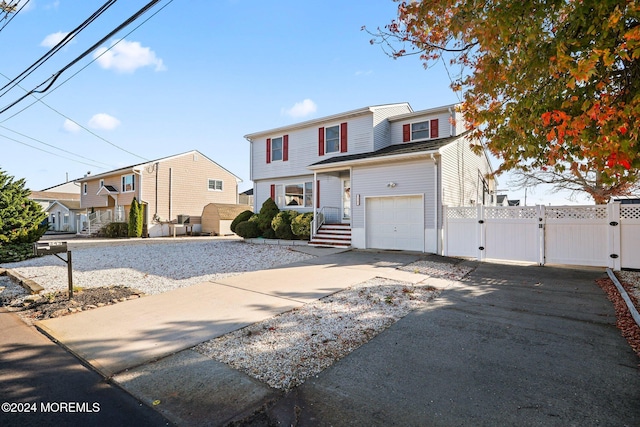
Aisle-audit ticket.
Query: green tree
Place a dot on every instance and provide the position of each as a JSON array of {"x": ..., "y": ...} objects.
[
  {"x": 548, "y": 85},
  {"x": 134, "y": 215},
  {"x": 268, "y": 211},
  {"x": 21, "y": 219}
]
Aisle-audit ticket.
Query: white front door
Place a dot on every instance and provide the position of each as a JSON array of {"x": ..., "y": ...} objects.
[{"x": 346, "y": 200}]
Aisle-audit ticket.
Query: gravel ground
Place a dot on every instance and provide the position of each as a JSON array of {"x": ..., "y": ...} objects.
[
  {"x": 153, "y": 268},
  {"x": 286, "y": 349},
  {"x": 633, "y": 279}
]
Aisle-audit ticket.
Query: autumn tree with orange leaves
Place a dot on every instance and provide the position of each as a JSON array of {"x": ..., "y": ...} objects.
[{"x": 551, "y": 87}]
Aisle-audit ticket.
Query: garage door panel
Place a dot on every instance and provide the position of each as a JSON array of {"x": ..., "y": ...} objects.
[{"x": 395, "y": 223}]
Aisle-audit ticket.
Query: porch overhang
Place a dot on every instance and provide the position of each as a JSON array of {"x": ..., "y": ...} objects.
[{"x": 342, "y": 164}]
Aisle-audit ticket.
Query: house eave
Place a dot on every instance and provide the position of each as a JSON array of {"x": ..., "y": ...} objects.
[{"x": 371, "y": 160}]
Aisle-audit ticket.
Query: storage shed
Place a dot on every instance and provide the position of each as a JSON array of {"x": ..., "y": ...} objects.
[{"x": 217, "y": 217}]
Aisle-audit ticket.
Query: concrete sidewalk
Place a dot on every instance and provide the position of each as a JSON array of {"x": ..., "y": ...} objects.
[{"x": 125, "y": 335}]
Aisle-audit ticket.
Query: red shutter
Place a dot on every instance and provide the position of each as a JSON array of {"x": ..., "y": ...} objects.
[
  {"x": 268, "y": 150},
  {"x": 320, "y": 141},
  {"x": 406, "y": 133},
  {"x": 317, "y": 194},
  {"x": 285, "y": 148},
  {"x": 343, "y": 137},
  {"x": 273, "y": 192},
  {"x": 433, "y": 126}
]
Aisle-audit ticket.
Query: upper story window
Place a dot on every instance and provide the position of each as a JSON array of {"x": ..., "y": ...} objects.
[
  {"x": 420, "y": 130},
  {"x": 128, "y": 183},
  {"x": 101, "y": 183},
  {"x": 332, "y": 139},
  {"x": 215, "y": 185},
  {"x": 278, "y": 149},
  {"x": 84, "y": 188}
]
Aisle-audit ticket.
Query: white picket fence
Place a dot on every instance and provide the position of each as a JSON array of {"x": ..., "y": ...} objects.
[{"x": 597, "y": 235}]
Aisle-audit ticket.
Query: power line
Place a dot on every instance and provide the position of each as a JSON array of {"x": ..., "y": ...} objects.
[
  {"x": 51, "y": 80},
  {"x": 53, "y": 146},
  {"x": 49, "y": 152},
  {"x": 65, "y": 40}
]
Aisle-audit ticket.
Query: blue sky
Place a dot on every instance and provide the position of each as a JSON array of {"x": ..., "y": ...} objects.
[{"x": 199, "y": 74}]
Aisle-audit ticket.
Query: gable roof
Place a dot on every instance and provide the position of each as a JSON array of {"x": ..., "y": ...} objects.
[
  {"x": 69, "y": 204},
  {"x": 138, "y": 165},
  {"x": 396, "y": 150},
  {"x": 339, "y": 116},
  {"x": 53, "y": 195}
]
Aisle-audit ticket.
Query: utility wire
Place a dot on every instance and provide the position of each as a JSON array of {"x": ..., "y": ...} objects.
[
  {"x": 53, "y": 146},
  {"x": 49, "y": 152},
  {"x": 13, "y": 5},
  {"x": 51, "y": 80},
  {"x": 56, "y": 48}
]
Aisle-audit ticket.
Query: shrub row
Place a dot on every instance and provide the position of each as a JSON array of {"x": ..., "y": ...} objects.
[{"x": 271, "y": 223}]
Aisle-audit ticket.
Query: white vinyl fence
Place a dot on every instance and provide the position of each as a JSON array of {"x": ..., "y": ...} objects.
[{"x": 598, "y": 235}]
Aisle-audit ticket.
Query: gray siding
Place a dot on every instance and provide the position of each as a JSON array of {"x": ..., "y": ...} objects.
[
  {"x": 461, "y": 169},
  {"x": 303, "y": 148},
  {"x": 381, "y": 126},
  {"x": 411, "y": 178},
  {"x": 444, "y": 126},
  {"x": 262, "y": 190}
]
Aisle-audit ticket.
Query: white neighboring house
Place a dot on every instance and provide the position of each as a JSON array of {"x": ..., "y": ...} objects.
[
  {"x": 382, "y": 173},
  {"x": 65, "y": 216}
]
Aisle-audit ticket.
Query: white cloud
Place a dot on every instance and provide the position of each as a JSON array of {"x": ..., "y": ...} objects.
[
  {"x": 53, "y": 39},
  {"x": 125, "y": 57},
  {"x": 103, "y": 121},
  {"x": 301, "y": 109},
  {"x": 71, "y": 126}
]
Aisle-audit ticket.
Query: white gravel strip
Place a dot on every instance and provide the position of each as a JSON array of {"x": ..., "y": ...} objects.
[
  {"x": 155, "y": 268},
  {"x": 285, "y": 350},
  {"x": 632, "y": 278}
]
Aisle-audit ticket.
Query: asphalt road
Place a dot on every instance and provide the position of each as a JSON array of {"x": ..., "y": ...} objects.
[{"x": 43, "y": 385}]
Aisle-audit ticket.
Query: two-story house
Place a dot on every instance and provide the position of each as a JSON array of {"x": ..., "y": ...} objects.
[
  {"x": 382, "y": 172},
  {"x": 180, "y": 185}
]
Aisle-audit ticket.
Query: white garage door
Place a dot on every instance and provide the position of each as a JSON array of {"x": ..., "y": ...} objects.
[{"x": 395, "y": 223}]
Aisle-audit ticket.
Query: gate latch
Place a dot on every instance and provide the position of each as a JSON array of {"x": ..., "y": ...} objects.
[{"x": 613, "y": 223}]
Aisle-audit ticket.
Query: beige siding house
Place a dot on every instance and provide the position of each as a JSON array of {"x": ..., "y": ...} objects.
[{"x": 169, "y": 188}]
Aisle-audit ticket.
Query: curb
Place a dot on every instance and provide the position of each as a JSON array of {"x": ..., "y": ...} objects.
[
  {"x": 277, "y": 242},
  {"x": 625, "y": 297}
]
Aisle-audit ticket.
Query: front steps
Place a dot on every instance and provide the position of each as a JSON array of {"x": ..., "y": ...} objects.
[{"x": 332, "y": 236}]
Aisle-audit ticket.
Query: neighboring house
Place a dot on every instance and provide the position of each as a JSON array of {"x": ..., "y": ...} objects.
[
  {"x": 65, "y": 216},
  {"x": 246, "y": 197},
  {"x": 168, "y": 188},
  {"x": 382, "y": 172}
]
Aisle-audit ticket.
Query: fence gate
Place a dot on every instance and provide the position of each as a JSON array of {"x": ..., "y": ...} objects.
[{"x": 597, "y": 235}]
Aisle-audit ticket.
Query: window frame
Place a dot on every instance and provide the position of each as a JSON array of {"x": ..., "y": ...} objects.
[
  {"x": 427, "y": 130},
  {"x": 84, "y": 188},
  {"x": 336, "y": 139},
  {"x": 306, "y": 197},
  {"x": 215, "y": 181},
  {"x": 124, "y": 184},
  {"x": 280, "y": 150}
]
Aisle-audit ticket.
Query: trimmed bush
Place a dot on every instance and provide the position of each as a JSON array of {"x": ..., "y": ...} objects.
[
  {"x": 242, "y": 216},
  {"x": 267, "y": 212},
  {"x": 301, "y": 225},
  {"x": 14, "y": 252},
  {"x": 116, "y": 229},
  {"x": 269, "y": 233},
  {"x": 284, "y": 232},
  {"x": 283, "y": 217},
  {"x": 248, "y": 229}
]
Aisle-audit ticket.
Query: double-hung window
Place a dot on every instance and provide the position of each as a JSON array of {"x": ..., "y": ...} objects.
[
  {"x": 332, "y": 139},
  {"x": 420, "y": 130},
  {"x": 128, "y": 183},
  {"x": 276, "y": 149},
  {"x": 215, "y": 185}
]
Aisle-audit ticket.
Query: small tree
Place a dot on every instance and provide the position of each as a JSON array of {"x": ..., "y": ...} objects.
[
  {"x": 134, "y": 213},
  {"x": 140, "y": 219},
  {"x": 21, "y": 220}
]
